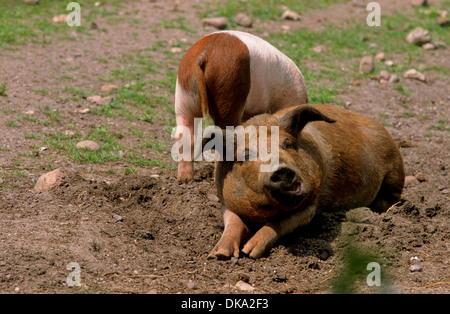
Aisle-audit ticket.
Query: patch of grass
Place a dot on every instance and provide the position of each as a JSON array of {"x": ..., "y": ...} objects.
[
  {"x": 3, "y": 89},
  {"x": 22, "y": 23},
  {"x": 11, "y": 123},
  {"x": 178, "y": 23},
  {"x": 263, "y": 9},
  {"x": 442, "y": 125},
  {"x": 402, "y": 89},
  {"x": 52, "y": 114}
]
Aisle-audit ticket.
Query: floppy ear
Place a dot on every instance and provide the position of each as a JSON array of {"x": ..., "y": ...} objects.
[{"x": 295, "y": 120}]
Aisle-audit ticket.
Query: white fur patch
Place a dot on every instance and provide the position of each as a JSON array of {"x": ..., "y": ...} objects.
[{"x": 275, "y": 79}]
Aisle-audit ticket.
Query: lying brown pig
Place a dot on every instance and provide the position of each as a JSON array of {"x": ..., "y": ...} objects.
[{"x": 329, "y": 158}]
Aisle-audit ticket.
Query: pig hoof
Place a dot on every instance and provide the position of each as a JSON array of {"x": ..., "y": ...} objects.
[
  {"x": 185, "y": 177},
  {"x": 224, "y": 252}
]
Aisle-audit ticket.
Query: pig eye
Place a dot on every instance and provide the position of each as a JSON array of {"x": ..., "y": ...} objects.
[{"x": 288, "y": 144}]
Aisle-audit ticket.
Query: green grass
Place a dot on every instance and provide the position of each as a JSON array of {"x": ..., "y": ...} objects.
[
  {"x": 352, "y": 42},
  {"x": 263, "y": 9},
  {"x": 21, "y": 23},
  {"x": 3, "y": 89}
]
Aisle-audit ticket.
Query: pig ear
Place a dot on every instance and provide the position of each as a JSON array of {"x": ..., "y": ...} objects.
[{"x": 294, "y": 121}]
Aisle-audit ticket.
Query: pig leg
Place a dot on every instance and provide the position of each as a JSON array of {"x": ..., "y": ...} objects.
[
  {"x": 186, "y": 164},
  {"x": 266, "y": 237},
  {"x": 234, "y": 233}
]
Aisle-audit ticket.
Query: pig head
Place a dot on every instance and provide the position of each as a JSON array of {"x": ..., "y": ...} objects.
[{"x": 329, "y": 158}]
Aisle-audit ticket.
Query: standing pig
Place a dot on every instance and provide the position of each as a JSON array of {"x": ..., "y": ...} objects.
[
  {"x": 232, "y": 76},
  {"x": 328, "y": 158}
]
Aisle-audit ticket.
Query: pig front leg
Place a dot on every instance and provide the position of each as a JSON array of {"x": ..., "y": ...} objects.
[
  {"x": 235, "y": 233},
  {"x": 266, "y": 237}
]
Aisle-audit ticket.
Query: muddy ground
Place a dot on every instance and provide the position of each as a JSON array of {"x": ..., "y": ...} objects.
[{"x": 140, "y": 231}]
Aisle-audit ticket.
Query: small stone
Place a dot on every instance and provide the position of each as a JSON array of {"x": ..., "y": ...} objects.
[
  {"x": 175, "y": 50},
  {"x": 243, "y": 286},
  {"x": 418, "y": 36},
  {"x": 410, "y": 181},
  {"x": 243, "y": 20},
  {"x": 414, "y": 74},
  {"x": 389, "y": 63},
  {"x": 320, "y": 49},
  {"x": 108, "y": 87},
  {"x": 192, "y": 285},
  {"x": 394, "y": 79},
  {"x": 440, "y": 44},
  {"x": 50, "y": 180},
  {"x": 147, "y": 236},
  {"x": 29, "y": 112},
  {"x": 117, "y": 217},
  {"x": 366, "y": 65},
  {"x": 217, "y": 22},
  {"x": 99, "y": 100},
  {"x": 385, "y": 75},
  {"x": 88, "y": 144},
  {"x": 60, "y": 18},
  {"x": 415, "y": 268},
  {"x": 380, "y": 56},
  {"x": 428, "y": 46},
  {"x": 442, "y": 19},
  {"x": 290, "y": 15},
  {"x": 213, "y": 198},
  {"x": 420, "y": 177},
  {"x": 83, "y": 111}
]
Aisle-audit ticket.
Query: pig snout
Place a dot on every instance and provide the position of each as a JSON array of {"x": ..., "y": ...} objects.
[
  {"x": 285, "y": 186},
  {"x": 284, "y": 178}
]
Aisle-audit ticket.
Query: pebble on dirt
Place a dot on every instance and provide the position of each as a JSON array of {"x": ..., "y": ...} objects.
[
  {"x": 243, "y": 286},
  {"x": 243, "y": 20},
  {"x": 99, "y": 100},
  {"x": 320, "y": 49},
  {"x": 410, "y": 181},
  {"x": 290, "y": 15},
  {"x": 62, "y": 18},
  {"x": 420, "y": 177},
  {"x": 88, "y": 144},
  {"x": 415, "y": 268},
  {"x": 418, "y": 36},
  {"x": 394, "y": 79},
  {"x": 217, "y": 22},
  {"x": 442, "y": 19},
  {"x": 108, "y": 87},
  {"x": 366, "y": 65},
  {"x": 50, "y": 180},
  {"x": 414, "y": 74}
]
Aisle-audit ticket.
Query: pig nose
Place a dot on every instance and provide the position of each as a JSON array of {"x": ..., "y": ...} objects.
[{"x": 282, "y": 176}]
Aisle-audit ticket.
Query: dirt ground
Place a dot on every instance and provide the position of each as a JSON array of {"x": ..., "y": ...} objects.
[{"x": 143, "y": 232}]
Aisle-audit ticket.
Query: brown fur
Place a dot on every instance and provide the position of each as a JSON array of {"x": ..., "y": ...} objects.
[
  {"x": 350, "y": 163},
  {"x": 224, "y": 95}
]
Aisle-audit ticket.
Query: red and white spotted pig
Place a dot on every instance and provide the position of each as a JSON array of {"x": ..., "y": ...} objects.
[{"x": 232, "y": 76}]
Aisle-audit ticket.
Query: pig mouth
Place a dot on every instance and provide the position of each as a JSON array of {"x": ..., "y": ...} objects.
[
  {"x": 290, "y": 196},
  {"x": 295, "y": 189}
]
